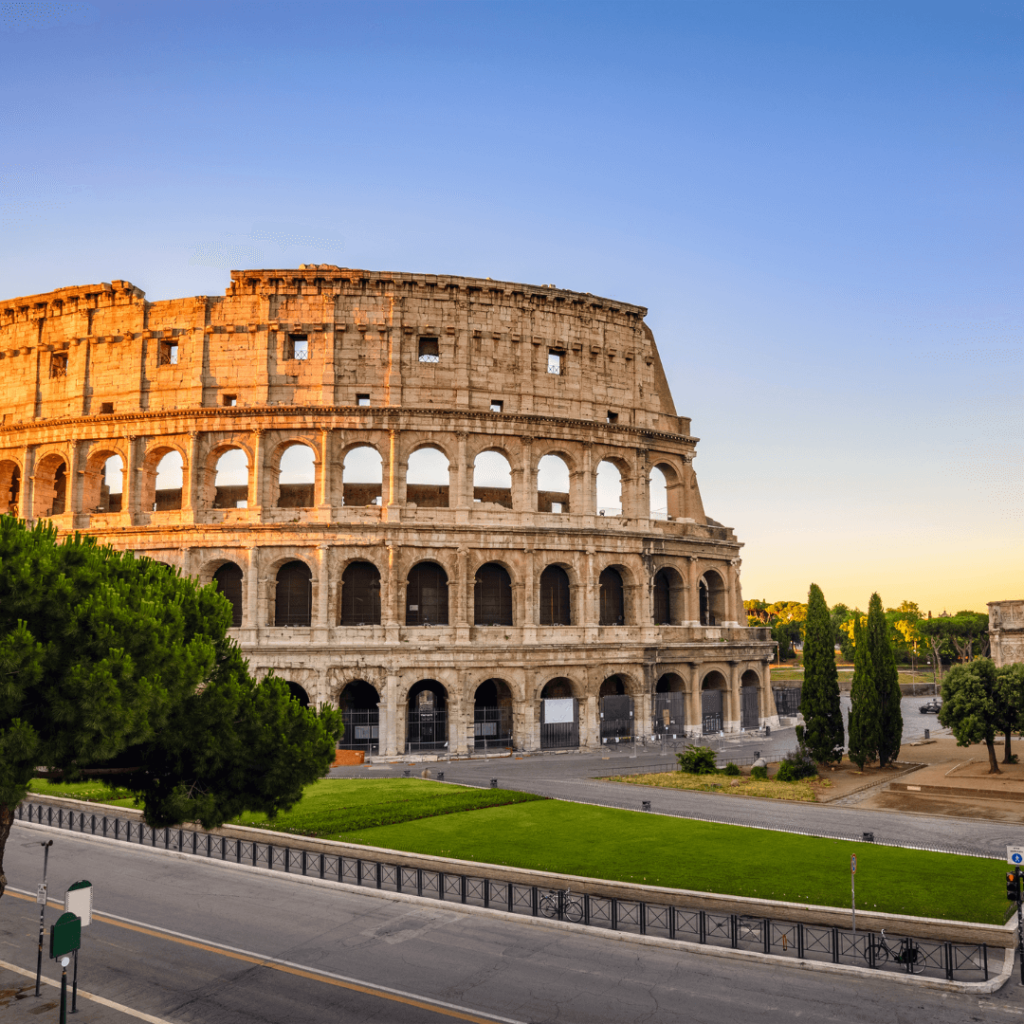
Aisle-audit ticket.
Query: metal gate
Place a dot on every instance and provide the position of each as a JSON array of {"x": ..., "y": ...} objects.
[
  {"x": 492, "y": 727},
  {"x": 362, "y": 729},
  {"x": 427, "y": 730},
  {"x": 616, "y": 719},
  {"x": 559, "y": 723},
  {"x": 711, "y": 709},
  {"x": 669, "y": 714},
  {"x": 750, "y": 717},
  {"x": 787, "y": 700}
]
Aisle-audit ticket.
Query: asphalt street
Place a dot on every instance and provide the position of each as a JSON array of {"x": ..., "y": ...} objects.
[{"x": 187, "y": 940}]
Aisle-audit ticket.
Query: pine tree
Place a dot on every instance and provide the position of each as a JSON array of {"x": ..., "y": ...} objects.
[
  {"x": 887, "y": 683},
  {"x": 863, "y": 701},
  {"x": 819, "y": 700}
]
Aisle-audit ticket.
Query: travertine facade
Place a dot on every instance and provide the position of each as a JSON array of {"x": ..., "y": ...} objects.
[
  {"x": 1006, "y": 632},
  {"x": 405, "y": 579}
]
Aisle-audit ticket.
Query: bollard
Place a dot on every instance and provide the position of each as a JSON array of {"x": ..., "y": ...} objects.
[
  {"x": 868, "y": 837},
  {"x": 440, "y": 776},
  {"x": 927, "y": 734},
  {"x": 494, "y": 783},
  {"x": 407, "y": 772},
  {"x": 646, "y": 805}
]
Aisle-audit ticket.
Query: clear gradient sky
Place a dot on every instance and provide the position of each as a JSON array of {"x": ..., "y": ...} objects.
[{"x": 820, "y": 203}]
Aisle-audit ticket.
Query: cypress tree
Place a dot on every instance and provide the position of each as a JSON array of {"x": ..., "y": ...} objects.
[
  {"x": 819, "y": 699},
  {"x": 863, "y": 702},
  {"x": 887, "y": 684}
]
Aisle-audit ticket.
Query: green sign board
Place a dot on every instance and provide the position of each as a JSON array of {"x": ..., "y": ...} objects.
[{"x": 65, "y": 935}]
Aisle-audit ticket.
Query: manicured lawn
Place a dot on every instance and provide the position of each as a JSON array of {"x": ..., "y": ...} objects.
[
  {"x": 630, "y": 846},
  {"x": 96, "y": 792}
]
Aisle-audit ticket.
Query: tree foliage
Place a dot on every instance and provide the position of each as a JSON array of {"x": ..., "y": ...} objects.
[
  {"x": 887, "y": 684},
  {"x": 961, "y": 637},
  {"x": 864, "y": 738},
  {"x": 819, "y": 699},
  {"x": 118, "y": 667}
]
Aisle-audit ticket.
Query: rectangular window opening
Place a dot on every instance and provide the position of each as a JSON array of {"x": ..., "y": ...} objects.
[
  {"x": 362, "y": 399},
  {"x": 613, "y": 417},
  {"x": 59, "y": 364},
  {"x": 168, "y": 355},
  {"x": 430, "y": 350},
  {"x": 106, "y": 407},
  {"x": 229, "y": 400},
  {"x": 497, "y": 405},
  {"x": 556, "y": 507},
  {"x": 297, "y": 347},
  {"x": 556, "y": 361}
]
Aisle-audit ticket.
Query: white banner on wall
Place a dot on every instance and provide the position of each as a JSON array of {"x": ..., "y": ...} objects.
[{"x": 558, "y": 711}]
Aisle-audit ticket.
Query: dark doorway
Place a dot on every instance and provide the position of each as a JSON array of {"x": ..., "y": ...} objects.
[
  {"x": 492, "y": 715},
  {"x": 616, "y": 711},
  {"x": 360, "y": 711},
  {"x": 662, "y": 598},
  {"x": 427, "y": 596},
  {"x": 612, "y": 598},
  {"x": 559, "y": 716},
  {"x": 229, "y": 582},
  {"x": 555, "y": 603},
  {"x": 60, "y": 490},
  {"x": 711, "y": 705},
  {"x": 293, "y": 604},
  {"x": 360, "y": 595},
  {"x": 427, "y": 717},
  {"x": 298, "y": 693},
  {"x": 493, "y": 596}
]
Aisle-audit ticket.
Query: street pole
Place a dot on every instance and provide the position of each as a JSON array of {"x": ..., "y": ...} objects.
[
  {"x": 42, "y": 914},
  {"x": 64, "y": 991},
  {"x": 1020, "y": 928},
  {"x": 853, "y": 891},
  {"x": 74, "y": 987}
]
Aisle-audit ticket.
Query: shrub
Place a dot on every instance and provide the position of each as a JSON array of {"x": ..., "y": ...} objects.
[
  {"x": 799, "y": 765},
  {"x": 731, "y": 769},
  {"x": 698, "y": 760},
  {"x": 759, "y": 772}
]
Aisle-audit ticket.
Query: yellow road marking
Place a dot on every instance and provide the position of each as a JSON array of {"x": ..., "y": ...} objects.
[{"x": 283, "y": 968}]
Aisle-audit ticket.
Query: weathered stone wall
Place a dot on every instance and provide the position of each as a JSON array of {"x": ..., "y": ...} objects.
[
  {"x": 1006, "y": 632},
  {"x": 91, "y": 372}
]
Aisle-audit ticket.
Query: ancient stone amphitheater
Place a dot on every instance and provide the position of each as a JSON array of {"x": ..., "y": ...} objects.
[{"x": 464, "y": 510}]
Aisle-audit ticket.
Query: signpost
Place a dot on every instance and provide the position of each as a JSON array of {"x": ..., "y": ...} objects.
[
  {"x": 41, "y": 900},
  {"x": 78, "y": 901},
  {"x": 65, "y": 937},
  {"x": 853, "y": 890},
  {"x": 1015, "y": 856}
]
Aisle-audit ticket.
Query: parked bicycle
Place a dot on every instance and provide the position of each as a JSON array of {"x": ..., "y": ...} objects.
[
  {"x": 907, "y": 953},
  {"x": 572, "y": 906}
]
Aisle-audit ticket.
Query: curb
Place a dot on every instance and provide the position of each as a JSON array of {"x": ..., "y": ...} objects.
[{"x": 815, "y": 966}]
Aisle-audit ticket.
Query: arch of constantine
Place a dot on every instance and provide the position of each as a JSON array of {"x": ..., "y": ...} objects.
[{"x": 464, "y": 510}]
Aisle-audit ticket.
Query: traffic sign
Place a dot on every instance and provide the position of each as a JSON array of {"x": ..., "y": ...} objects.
[
  {"x": 65, "y": 935},
  {"x": 853, "y": 863},
  {"x": 41, "y": 895},
  {"x": 78, "y": 901},
  {"x": 1015, "y": 855}
]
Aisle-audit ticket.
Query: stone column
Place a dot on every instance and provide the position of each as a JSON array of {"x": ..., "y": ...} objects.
[
  {"x": 191, "y": 479},
  {"x": 642, "y": 714},
  {"x": 321, "y": 621},
  {"x": 641, "y": 487},
  {"x": 589, "y": 612},
  {"x": 324, "y": 476},
  {"x": 693, "y": 593},
  {"x": 462, "y": 485},
  {"x": 462, "y": 596},
  {"x": 76, "y": 480},
  {"x": 130, "y": 490},
  {"x": 250, "y": 617},
  {"x": 27, "y": 496},
  {"x": 392, "y": 726},
  {"x": 528, "y": 496},
  {"x": 694, "y": 711},
  {"x": 588, "y": 502},
  {"x": 590, "y": 734},
  {"x": 732, "y": 715},
  {"x": 257, "y": 473}
]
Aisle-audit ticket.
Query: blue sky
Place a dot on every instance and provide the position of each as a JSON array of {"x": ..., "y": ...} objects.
[{"x": 820, "y": 203}]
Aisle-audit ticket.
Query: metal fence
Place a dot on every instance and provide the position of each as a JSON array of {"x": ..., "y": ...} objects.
[
  {"x": 950, "y": 960},
  {"x": 787, "y": 700}
]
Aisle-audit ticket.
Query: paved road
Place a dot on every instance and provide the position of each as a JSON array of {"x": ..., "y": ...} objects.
[
  {"x": 485, "y": 969},
  {"x": 576, "y": 777}
]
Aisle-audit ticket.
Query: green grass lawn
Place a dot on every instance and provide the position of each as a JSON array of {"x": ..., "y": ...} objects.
[{"x": 95, "y": 792}]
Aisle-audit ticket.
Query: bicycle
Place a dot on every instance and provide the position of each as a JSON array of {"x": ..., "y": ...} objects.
[
  {"x": 572, "y": 906},
  {"x": 907, "y": 953}
]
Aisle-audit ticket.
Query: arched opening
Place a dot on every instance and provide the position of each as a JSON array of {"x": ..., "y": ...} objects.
[
  {"x": 296, "y": 477},
  {"x": 669, "y": 709},
  {"x": 293, "y": 601},
  {"x": 426, "y": 483},
  {"x": 362, "y": 474},
  {"x": 712, "y": 599},
  {"x": 712, "y": 701},
  {"x": 112, "y": 486},
  {"x": 555, "y": 601},
  {"x": 228, "y": 579},
  {"x": 492, "y": 479},
  {"x": 616, "y": 711},
  {"x": 169, "y": 482},
  {"x": 427, "y": 717},
  {"x": 298, "y": 693},
  {"x": 360, "y": 595},
  {"x": 750, "y": 708},
  {"x": 609, "y": 489},
  {"x": 10, "y": 487},
  {"x": 492, "y": 596},
  {"x": 613, "y": 602},
  {"x": 492, "y": 715},
  {"x": 426, "y": 601},
  {"x": 657, "y": 491},
  {"x": 231, "y": 480},
  {"x": 559, "y": 716},
  {"x": 662, "y": 599},
  {"x": 103, "y": 482},
  {"x": 552, "y": 484},
  {"x": 51, "y": 479},
  {"x": 360, "y": 712}
]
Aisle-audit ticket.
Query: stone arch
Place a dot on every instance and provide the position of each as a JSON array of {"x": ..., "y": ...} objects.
[
  {"x": 612, "y": 597},
  {"x": 750, "y": 699},
  {"x": 560, "y": 687},
  {"x": 292, "y": 474},
  {"x": 670, "y": 706},
  {"x": 298, "y": 693},
  {"x": 610, "y": 483},
  {"x": 666, "y": 499},
  {"x": 492, "y": 596},
  {"x": 360, "y": 594},
  {"x": 713, "y": 596},
  {"x": 228, "y": 472},
  {"x": 228, "y": 579},
  {"x": 555, "y": 599},
  {"x": 614, "y": 686},
  {"x": 554, "y": 481},
  {"x": 51, "y": 486},
  {"x": 668, "y": 596},
  {"x": 492, "y": 714},
  {"x": 293, "y": 594},
  {"x": 714, "y": 697},
  {"x": 427, "y": 716},
  {"x": 558, "y": 703},
  {"x": 492, "y": 478},
  {"x": 104, "y": 480},
  {"x": 427, "y": 595},
  {"x": 362, "y": 475},
  {"x": 358, "y": 693},
  {"x": 670, "y": 682},
  {"x": 162, "y": 478},
  {"x": 359, "y": 703},
  {"x": 10, "y": 486},
  {"x": 428, "y": 476}
]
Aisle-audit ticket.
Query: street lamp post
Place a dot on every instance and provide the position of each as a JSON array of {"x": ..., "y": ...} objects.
[{"x": 41, "y": 900}]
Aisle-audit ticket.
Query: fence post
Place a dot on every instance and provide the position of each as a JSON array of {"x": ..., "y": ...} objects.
[
  {"x": 209, "y": 845},
  {"x": 509, "y": 896},
  {"x": 702, "y": 926},
  {"x": 419, "y": 882},
  {"x": 223, "y": 848},
  {"x": 195, "y": 843},
  {"x": 643, "y": 918},
  {"x": 671, "y": 922},
  {"x": 270, "y": 856},
  {"x": 255, "y": 852},
  {"x": 60, "y": 817},
  {"x": 380, "y": 875},
  {"x": 768, "y": 935},
  {"x": 586, "y": 908},
  {"x": 94, "y": 824},
  {"x": 800, "y": 941},
  {"x": 734, "y": 930},
  {"x": 341, "y": 868},
  {"x": 871, "y": 950},
  {"x": 984, "y": 957},
  {"x": 615, "y": 914},
  {"x": 534, "y": 900},
  {"x": 487, "y": 892},
  {"x": 835, "y": 945},
  {"x": 287, "y": 859},
  {"x": 359, "y": 871},
  {"x": 949, "y": 961},
  {"x": 462, "y": 888},
  {"x": 323, "y": 866},
  {"x": 440, "y": 885},
  {"x": 238, "y": 851},
  {"x": 181, "y": 840},
  {"x": 128, "y": 831}
]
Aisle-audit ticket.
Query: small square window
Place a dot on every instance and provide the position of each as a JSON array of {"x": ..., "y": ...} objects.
[
  {"x": 430, "y": 351},
  {"x": 229, "y": 400},
  {"x": 362, "y": 399},
  {"x": 555, "y": 361},
  {"x": 59, "y": 364},
  {"x": 106, "y": 407},
  {"x": 613, "y": 417},
  {"x": 297, "y": 347},
  {"x": 168, "y": 354},
  {"x": 497, "y": 405}
]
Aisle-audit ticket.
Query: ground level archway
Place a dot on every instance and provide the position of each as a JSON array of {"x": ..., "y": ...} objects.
[{"x": 427, "y": 717}]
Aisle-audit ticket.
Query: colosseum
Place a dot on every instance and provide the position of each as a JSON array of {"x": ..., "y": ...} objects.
[{"x": 462, "y": 510}]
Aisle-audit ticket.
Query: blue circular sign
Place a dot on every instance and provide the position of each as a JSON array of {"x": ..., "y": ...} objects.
[{"x": 1016, "y": 858}]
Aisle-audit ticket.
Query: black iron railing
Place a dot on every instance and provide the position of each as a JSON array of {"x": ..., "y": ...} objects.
[{"x": 950, "y": 960}]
